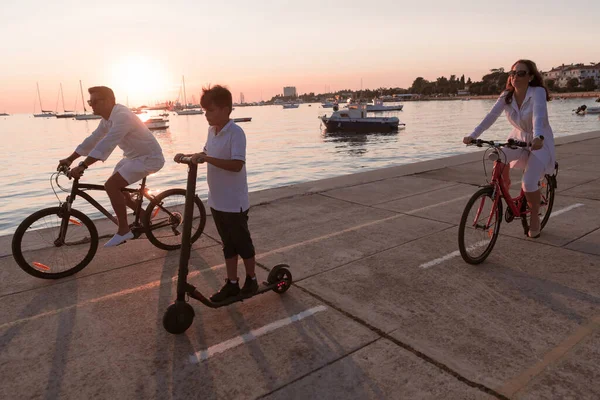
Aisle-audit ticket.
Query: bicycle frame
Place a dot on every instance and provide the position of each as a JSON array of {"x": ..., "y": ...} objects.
[
  {"x": 78, "y": 189},
  {"x": 513, "y": 203}
]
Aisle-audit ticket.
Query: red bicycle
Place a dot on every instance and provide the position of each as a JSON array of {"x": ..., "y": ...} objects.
[{"x": 480, "y": 222}]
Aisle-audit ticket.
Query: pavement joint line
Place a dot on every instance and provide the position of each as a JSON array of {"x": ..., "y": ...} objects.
[
  {"x": 204, "y": 355},
  {"x": 443, "y": 367},
  {"x": 195, "y": 273},
  {"x": 327, "y": 364},
  {"x": 456, "y": 253},
  {"x": 520, "y": 382}
]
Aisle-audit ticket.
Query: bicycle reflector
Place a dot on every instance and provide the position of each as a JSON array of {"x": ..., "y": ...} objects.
[{"x": 40, "y": 266}]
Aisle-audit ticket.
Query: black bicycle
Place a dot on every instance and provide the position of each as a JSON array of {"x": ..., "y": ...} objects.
[{"x": 60, "y": 241}]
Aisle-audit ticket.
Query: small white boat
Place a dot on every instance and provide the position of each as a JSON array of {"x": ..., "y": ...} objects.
[
  {"x": 593, "y": 110},
  {"x": 4, "y": 115},
  {"x": 290, "y": 105},
  {"x": 354, "y": 119},
  {"x": 155, "y": 123},
  {"x": 377, "y": 106},
  {"x": 189, "y": 112},
  {"x": 242, "y": 119},
  {"x": 85, "y": 117},
  {"x": 46, "y": 114}
]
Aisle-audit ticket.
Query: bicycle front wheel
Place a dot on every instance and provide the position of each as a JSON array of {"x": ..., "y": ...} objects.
[
  {"x": 163, "y": 219},
  {"x": 40, "y": 250},
  {"x": 479, "y": 226}
]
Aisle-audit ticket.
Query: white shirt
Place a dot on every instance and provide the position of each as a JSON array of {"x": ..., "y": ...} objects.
[
  {"x": 227, "y": 190},
  {"x": 530, "y": 121},
  {"x": 124, "y": 129}
]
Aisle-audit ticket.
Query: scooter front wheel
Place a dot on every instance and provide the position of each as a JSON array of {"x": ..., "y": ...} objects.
[{"x": 178, "y": 317}]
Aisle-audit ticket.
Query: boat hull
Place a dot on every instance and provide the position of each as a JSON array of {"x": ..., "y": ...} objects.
[
  {"x": 189, "y": 112},
  {"x": 85, "y": 117},
  {"x": 334, "y": 125}
]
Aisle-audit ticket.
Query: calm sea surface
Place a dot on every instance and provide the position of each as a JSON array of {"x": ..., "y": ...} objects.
[{"x": 284, "y": 147}]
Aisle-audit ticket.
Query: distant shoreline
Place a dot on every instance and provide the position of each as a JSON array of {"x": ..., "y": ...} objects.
[{"x": 569, "y": 95}]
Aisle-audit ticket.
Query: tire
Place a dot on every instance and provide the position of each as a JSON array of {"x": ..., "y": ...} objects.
[
  {"x": 178, "y": 317},
  {"x": 164, "y": 230},
  {"x": 281, "y": 275},
  {"x": 547, "y": 191},
  {"x": 36, "y": 252},
  {"x": 476, "y": 244}
]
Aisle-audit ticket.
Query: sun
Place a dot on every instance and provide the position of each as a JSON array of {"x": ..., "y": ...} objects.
[{"x": 139, "y": 79}]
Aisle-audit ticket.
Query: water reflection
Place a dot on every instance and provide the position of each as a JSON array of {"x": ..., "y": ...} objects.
[{"x": 358, "y": 143}]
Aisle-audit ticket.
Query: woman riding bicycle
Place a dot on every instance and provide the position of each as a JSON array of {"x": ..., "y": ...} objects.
[{"x": 524, "y": 102}]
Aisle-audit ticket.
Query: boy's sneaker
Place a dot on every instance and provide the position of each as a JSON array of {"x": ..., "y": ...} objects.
[
  {"x": 250, "y": 287},
  {"x": 227, "y": 291}
]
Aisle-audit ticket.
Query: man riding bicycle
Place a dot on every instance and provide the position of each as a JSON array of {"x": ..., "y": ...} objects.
[{"x": 142, "y": 155}]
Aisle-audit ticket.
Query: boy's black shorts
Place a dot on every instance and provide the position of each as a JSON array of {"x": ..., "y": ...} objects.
[{"x": 233, "y": 229}]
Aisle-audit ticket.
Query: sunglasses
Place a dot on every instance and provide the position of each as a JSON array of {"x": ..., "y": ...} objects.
[
  {"x": 520, "y": 73},
  {"x": 92, "y": 103}
]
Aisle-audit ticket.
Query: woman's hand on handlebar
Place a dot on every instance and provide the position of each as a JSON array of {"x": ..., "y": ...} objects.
[{"x": 537, "y": 143}]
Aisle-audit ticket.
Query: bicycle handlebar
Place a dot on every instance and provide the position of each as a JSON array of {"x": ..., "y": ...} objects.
[{"x": 512, "y": 143}]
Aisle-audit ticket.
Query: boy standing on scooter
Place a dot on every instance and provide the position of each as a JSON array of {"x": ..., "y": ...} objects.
[{"x": 225, "y": 154}]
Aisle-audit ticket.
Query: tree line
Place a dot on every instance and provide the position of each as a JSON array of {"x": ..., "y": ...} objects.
[{"x": 490, "y": 84}]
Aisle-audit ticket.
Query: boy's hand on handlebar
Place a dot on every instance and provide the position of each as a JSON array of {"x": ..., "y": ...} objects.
[
  {"x": 468, "y": 140},
  {"x": 537, "y": 143},
  {"x": 198, "y": 158}
]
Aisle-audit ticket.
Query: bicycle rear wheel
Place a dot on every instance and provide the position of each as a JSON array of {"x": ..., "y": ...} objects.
[
  {"x": 479, "y": 226},
  {"x": 39, "y": 251},
  {"x": 163, "y": 219},
  {"x": 547, "y": 187}
]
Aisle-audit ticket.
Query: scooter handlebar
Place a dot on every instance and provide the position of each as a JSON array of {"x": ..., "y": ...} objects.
[{"x": 189, "y": 160}]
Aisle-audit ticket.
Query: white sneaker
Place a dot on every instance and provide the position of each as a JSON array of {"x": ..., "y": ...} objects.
[{"x": 118, "y": 239}]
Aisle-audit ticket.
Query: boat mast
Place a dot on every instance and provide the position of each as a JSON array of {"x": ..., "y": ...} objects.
[
  {"x": 184, "y": 96},
  {"x": 39, "y": 97},
  {"x": 82, "y": 99},
  {"x": 63, "y": 97}
]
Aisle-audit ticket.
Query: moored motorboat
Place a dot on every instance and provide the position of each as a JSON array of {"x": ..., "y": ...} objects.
[
  {"x": 354, "y": 119},
  {"x": 377, "y": 106},
  {"x": 290, "y": 105},
  {"x": 242, "y": 119},
  {"x": 155, "y": 123}
]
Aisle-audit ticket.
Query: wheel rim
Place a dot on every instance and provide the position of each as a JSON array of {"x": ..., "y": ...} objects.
[
  {"x": 481, "y": 227},
  {"x": 170, "y": 231},
  {"x": 42, "y": 250}
]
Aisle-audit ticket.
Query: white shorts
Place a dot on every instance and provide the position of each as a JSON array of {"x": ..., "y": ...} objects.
[
  {"x": 523, "y": 159},
  {"x": 133, "y": 170}
]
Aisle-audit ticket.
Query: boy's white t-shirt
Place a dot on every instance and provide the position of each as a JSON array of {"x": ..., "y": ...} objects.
[{"x": 227, "y": 190}]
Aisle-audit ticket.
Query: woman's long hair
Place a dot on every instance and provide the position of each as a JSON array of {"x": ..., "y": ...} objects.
[{"x": 537, "y": 80}]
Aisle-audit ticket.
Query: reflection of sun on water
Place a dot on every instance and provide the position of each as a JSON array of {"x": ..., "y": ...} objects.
[{"x": 139, "y": 78}]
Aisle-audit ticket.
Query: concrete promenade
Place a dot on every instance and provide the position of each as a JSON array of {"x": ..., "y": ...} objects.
[{"x": 382, "y": 306}]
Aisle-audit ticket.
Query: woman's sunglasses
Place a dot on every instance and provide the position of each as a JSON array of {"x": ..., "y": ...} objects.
[{"x": 520, "y": 73}]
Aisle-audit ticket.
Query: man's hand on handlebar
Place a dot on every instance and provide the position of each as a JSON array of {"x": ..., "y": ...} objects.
[
  {"x": 468, "y": 140},
  {"x": 75, "y": 173},
  {"x": 64, "y": 162}
]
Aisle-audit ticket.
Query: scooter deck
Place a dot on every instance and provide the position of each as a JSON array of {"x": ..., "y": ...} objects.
[{"x": 195, "y": 294}]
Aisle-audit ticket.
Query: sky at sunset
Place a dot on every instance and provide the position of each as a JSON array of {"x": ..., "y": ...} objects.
[{"x": 142, "y": 48}]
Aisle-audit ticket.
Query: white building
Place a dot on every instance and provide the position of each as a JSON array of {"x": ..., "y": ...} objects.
[
  {"x": 561, "y": 75},
  {"x": 289, "y": 91}
]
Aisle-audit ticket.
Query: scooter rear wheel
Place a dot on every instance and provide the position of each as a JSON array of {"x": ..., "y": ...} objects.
[
  {"x": 178, "y": 317},
  {"x": 280, "y": 275}
]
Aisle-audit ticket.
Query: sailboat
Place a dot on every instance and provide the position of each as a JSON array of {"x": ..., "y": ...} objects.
[
  {"x": 85, "y": 115},
  {"x": 186, "y": 110},
  {"x": 44, "y": 113},
  {"x": 66, "y": 113}
]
